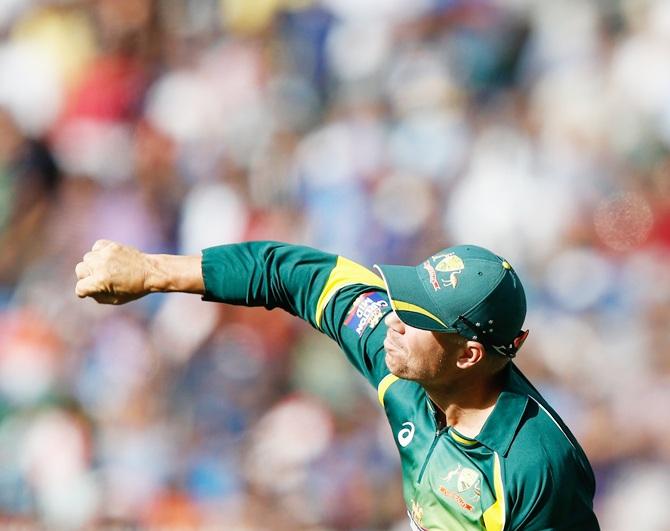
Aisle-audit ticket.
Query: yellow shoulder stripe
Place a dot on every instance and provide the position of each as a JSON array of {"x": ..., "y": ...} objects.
[
  {"x": 494, "y": 516},
  {"x": 383, "y": 386},
  {"x": 409, "y": 307},
  {"x": 345, "y": 273}
]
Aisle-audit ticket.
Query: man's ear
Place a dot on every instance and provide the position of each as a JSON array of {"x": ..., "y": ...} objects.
[{"x": 472, "y": 353}]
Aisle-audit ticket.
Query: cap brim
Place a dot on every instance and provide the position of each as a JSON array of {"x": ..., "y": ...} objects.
[{"x": 409, "y": 298}]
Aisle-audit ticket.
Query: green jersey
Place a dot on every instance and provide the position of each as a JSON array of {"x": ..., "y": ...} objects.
[{"x": 524, "y": 470}]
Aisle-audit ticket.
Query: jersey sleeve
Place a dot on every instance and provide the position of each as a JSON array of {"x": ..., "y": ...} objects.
[{"x": 338, "y": 297}]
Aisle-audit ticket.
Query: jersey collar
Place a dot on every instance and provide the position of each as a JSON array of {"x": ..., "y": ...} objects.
[{"x": 502, "y": 425}]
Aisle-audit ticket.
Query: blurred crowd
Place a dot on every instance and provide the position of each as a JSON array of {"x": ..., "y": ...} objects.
[{"x": 378, "y": 130}]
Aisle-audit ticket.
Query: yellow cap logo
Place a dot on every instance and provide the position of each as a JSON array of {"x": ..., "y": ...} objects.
[{"x": 449, "y": 262}]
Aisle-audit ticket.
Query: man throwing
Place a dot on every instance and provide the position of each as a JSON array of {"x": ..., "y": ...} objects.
[{"x": 480, "y": 448}]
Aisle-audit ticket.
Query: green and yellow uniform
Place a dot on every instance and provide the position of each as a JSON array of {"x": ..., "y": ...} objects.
[{"x": 524, "y": 470}]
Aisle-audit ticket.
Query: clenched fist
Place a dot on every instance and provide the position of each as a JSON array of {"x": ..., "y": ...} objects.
[{"x": 112, "y": 273}]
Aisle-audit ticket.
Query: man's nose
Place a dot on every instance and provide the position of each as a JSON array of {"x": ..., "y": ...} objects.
[{"x": 393, "y": 321}]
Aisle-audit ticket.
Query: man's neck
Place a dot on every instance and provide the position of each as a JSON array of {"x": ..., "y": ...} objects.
[{"x": 465, "y": 405}]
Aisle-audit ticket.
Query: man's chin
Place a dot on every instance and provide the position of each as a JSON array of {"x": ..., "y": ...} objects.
[{"x": 396, "y": 366}]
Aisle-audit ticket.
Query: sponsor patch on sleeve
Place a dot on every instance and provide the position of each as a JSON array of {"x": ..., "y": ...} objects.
[{"x": 366, "y": 312}]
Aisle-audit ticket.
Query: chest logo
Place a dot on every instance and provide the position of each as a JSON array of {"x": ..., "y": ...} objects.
[
  {"x": 466, "y": 479},
  {"x": 463, "y": 485},
  {"x": 406, "y": 434}
]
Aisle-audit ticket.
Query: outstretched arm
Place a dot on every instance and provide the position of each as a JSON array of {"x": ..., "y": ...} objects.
[
  {"x": 112, "y": 273},
  {"x": 340, "y": 298}
]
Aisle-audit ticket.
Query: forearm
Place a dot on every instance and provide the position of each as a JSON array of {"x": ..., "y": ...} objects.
[
  {"x": 169, "y": 273},
  {"x": 269, "y": 274}
]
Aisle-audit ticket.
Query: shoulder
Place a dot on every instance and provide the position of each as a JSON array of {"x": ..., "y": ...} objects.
[
  {"x": 546, "y": 474},
  {"x": 543, "y": 446},
  {"x": 396, "y": 393},
  {"x": 541, "y": 435}
]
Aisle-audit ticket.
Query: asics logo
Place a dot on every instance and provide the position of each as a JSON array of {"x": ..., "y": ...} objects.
[{"x": 406, "y": 435}]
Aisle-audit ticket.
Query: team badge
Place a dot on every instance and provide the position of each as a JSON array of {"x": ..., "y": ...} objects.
[
  {"x": 463, "y": 486},
  {"x": 448, "y": 263},
  {"x": 467, "y": 479}
]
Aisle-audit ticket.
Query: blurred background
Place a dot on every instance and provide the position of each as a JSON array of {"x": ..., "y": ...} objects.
[{"x": 378, "y": 130}]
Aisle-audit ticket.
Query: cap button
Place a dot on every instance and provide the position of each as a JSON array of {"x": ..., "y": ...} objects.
[{"x": 506, "y": 265}]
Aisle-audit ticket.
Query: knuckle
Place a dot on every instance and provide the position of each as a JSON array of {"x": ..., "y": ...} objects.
[{"x": 100, "y": 245}]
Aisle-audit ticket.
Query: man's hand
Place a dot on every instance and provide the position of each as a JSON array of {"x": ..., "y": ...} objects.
[{"x": 112, "y": 273}]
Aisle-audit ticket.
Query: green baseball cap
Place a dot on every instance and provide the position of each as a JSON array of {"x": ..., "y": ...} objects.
[{"x": 464, "y": 289}]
